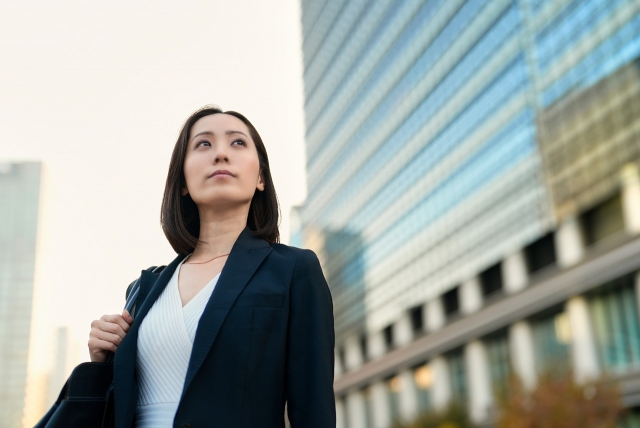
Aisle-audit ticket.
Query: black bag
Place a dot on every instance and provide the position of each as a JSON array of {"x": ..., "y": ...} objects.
[{"x": 86, "y": 399}]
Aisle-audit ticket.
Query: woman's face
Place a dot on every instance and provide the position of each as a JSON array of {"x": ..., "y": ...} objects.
[{"x": 221, "y": 142}]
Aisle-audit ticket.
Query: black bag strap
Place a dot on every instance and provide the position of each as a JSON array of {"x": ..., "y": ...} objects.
[
  {"x": 132, "y": 297},
  {"x": 154, "y": 269}
]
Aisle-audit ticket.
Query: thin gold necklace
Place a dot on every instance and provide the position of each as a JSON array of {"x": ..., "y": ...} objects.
[{"x": 201, "y": 263}]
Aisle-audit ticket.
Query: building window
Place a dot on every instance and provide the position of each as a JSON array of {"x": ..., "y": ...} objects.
[
  {"x": 541, "y": 253},
  {"x": 423, "y": 379},
  {"x": 603, "y": 220},
  {"x": 394, "y": 386},
  {"x": 345, "y": 414},
  {"x": 551, "y": 338},
  {"x": 342, "y": 358},
  {"x": 417, "y": 322},
  {"x": 614, "y": 313},
  {"x": 368, "y": 407},
  {"x": 491, "y": 281},
  {"x": 497, "y": 345},
  {"x": 388, "y": 337},
  {"x": 363, "y": 347},
  {"x": 451, "y": 303},
  {"x": 457, "y": 375}
]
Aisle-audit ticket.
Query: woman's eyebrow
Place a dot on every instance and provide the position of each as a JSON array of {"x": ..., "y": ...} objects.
[
  {"x": 229, "y": 132},
  {"x": 235, "y": 132}
]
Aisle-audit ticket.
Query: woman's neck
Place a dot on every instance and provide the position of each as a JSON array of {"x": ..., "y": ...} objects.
[{"x": 217, "y": 235}]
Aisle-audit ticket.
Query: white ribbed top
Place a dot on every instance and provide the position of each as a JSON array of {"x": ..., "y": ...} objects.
[{"x": 165, "y": 341}]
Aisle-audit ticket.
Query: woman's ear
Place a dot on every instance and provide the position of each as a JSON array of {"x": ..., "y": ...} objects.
[
  {"x": 260, "y": 185},
  {"x": 184, "y": 191}
]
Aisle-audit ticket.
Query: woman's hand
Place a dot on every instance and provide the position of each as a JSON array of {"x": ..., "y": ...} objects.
[{"x": 106, "y": 334}]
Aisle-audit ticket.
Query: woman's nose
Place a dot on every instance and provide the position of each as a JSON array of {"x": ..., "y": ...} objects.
[{"x": 221, "y": 155}]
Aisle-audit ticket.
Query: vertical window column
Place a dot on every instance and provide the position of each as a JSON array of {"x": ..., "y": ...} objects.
[
  {"x": 458, "y": 375},
  {"x": 408, "y": 395},
  {"x": 376, "y": 346},
  {"x": 435, "y": 314},
  {"x": 381, "y": 410},
  {"x": 470, "y": 296},
  {"x": 614, "y": 316},
  {"x": 402, "y": 330},
  {"x": 423, "y": 384},
  {"x": 523, "y": 353},
  {"x": 514, "y": 272},
  {"x": 441, "y": 387},
  {"x": 356, "y": 410},
  {"x": 583, "y": 346},
  {"x": 551, "y": 338},
  {"x": 569, "y": 242},
  {"x": 480, "y": 392},
  {"x": 352, "y": 353},
  {"x": 394, "y": 388},
  {"x": 341, "y": 415},
  {"x": 630, "y": 178},
  {"x": 636, "y": 287}
]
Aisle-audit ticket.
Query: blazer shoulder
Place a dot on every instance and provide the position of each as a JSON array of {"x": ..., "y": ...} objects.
[{"x": 294, "y": 253}]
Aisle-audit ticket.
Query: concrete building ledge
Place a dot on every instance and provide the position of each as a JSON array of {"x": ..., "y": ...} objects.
[{"x": 603, "y": 262}]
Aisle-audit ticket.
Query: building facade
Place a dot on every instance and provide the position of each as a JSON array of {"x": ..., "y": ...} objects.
[
  {"x": 19, "y": 202},
  {"x": 474, "y": 195}
]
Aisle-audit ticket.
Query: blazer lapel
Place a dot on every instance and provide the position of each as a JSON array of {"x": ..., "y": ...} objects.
[
  {"x": 124, "y": 362},
  {"x": 245, "y": 257}
]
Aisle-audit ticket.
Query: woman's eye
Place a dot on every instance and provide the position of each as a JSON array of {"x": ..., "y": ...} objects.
[
  {"x": 240, "y": 141},
  {"x": 202, "y": 142}
]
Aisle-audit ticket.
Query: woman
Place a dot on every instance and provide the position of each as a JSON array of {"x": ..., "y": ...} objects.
[{"x": 237, "y": 324}]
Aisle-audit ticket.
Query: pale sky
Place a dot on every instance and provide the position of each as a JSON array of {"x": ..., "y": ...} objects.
[{"x": 98, "y": 91}]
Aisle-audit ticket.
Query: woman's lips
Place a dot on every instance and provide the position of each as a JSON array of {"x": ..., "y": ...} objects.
[{"x": 222, "y": 172}]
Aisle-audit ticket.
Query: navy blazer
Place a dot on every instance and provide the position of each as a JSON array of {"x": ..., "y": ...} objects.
[{"x": 265, "y": 338}]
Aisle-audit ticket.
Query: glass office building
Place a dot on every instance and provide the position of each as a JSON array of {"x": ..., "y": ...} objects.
[
  {"x": 474, "y": 195},
  {"x": 19, "y": 202}
]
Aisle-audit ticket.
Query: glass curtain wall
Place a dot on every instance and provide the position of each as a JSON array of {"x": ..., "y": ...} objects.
[
  {"x": 614, "y": 313},
  {"x": 423, "y": 379},
  {"x": 457, "y": 375},
  {"x": 499, "y": 360}
]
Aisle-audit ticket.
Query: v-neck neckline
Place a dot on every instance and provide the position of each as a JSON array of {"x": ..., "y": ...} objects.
[{"x": 199, "y": 293}]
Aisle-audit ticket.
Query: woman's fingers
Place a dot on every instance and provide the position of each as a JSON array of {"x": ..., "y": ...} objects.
[
  {"x": 99, "y": 346},
  {"x": 116, "y": 319},
  {"x": 127, "y": 317},
  {"x": 114, "y": 338},
  {"x": 106, "y": 334}
]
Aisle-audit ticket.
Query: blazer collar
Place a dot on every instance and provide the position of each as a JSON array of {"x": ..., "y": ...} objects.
[
  {"x": 245, "y": 257},
  {"x": 247, "y": 253}
]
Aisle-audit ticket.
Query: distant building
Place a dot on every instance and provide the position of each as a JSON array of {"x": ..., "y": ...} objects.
[
  {"x": 65, "y": 358},
  {"x": 19, "y": 201},
  {"x": 474, "y": 195}
]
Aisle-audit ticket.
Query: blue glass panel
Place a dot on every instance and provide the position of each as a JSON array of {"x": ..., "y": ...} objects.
[
  {"x": 431, "y": 55},
  {"x": 488, "y": 163},
  {"x": 537, "y": 5},
  {"x": 380, "y": 32},
  {"x": 503, "y": 87},
  {"x": 577, "y": 19},
  {"x": 614, "y": 52},
  {"x": 469, "y": 64}
]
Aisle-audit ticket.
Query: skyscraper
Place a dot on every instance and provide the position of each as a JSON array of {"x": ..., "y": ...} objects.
[
  {"x": 473, "y": 195},
  {"x": 19, "y": 201}
]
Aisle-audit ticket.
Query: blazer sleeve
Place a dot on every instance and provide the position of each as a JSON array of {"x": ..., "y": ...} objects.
[{"x": 310, "y": 347}]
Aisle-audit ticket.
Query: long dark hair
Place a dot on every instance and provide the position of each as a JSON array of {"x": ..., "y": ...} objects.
[{"x": 179, "y": 215}]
